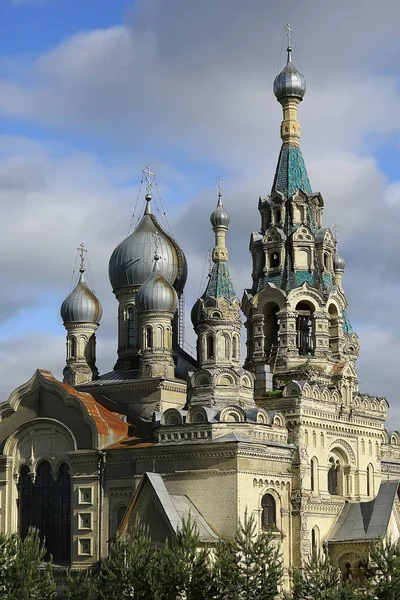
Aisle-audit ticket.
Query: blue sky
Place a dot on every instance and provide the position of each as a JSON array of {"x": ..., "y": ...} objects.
[{"x": 92, "y": 91}]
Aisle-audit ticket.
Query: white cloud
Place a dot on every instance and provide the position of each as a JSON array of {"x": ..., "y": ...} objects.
[{"x": 188, "y": 88}]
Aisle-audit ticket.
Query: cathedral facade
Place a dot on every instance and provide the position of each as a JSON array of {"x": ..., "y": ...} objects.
[{"x": 284, "y": 433}]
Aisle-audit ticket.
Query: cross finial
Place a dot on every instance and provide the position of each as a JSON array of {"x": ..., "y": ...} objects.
[
  {"x": 289, "y": 33},
  {"x": 148, "y": 173},
  {"x": 156, "y": 239},
  {"x": 82, "y": 251},
  {"x": 220, "y": 184},
  {"x": 335, "y": 232}
]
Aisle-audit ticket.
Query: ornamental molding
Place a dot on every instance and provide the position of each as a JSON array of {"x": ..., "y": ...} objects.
[
  {"x": 346, "y": 446},
  {"x": 38, "y": 381},
  {"x": 122, "y": 491}
]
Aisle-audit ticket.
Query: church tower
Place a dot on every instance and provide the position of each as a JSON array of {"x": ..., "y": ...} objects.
[
  {"x": 156, "y": 303},
  {"x": 131, "y": 264},
  {"x": 217, "y": 321},
  {"x": 296, "y": 308},
  {"x": 81, "y": 312}
]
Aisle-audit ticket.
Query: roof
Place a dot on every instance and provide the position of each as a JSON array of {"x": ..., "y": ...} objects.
[
  {"x": 220, "y": 283},
  {"x": 176, "y": 508},
  {"x": 110, "y": 426},
  {"x": 367, "y": 521},
  {"x": 291, "y": 173}
]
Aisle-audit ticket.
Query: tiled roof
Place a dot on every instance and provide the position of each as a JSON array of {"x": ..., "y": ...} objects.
[
  {"x": 291, "y": 173},
  {"x": 220, "y": 283}
]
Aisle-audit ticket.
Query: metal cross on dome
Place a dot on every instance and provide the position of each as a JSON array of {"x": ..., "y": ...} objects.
[
  {"x": 289, "y": 33},
  {"x": 148, "y": 174},
  {"x": 82, "y": 251},
  {"x": 220, "y": 184}
]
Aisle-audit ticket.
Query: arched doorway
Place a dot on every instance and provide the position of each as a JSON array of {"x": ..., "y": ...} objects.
[{"x": 45, "y": 503}]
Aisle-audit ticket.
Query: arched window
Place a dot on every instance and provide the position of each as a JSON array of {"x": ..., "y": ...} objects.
[
  {"x": 149, "y": 337},
  {"x": 226, "y": 346},
  {"x": 362, "y": 447},
  {"x": 271, "y": 329},
  {"x": 304, "y": 328},
  {"x": 333, "y": 476},
  {"x": 268, "y": 505},
  {"x": 46, "y": 505},
  {"x": 326, "y": 260},
  {"x": 278, "y": 216},
  {"x": 167, "y": 339},
  {"x": 210, "y": 346},
  {"x": 314, "y": 539},
  {"x": 333, "y": 328},
  {"x": 131, "y": 326},
  {"x": 73, "y": 347},
  {"x": 314, "y": 475},
  {"x": 274, "y": 260},
  {"x": 235, "y": 347},
  {"x": 370, "y": 480}
]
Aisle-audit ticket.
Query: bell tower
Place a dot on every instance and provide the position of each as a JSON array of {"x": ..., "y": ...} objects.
[
  {"x": 220, "y": 380},
  {"x": 296, "y": 308}
]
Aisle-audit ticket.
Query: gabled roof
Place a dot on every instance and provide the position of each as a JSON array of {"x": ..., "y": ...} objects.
[
  {"x": 366, "y": 521},
  {"x": 175, "y": 508},
  {"x": 110, "y": 426}
]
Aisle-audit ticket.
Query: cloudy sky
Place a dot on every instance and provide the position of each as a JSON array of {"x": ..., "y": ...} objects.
[{"x": 93, "y": 90}]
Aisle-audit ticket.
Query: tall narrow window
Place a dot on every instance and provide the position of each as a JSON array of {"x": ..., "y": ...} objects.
[
  {"x": 274, "y": 260},
  {"x": 268, "y": 506},
  {"x": 210, "y": 347},
  {"x": 73, "y": 347},
  {"x": 167, "y": 339},
  {"x": 304, "y": 329},
  {"x": 46, "y": 505},
  {"x": 312, "y": 465},
  {"x": 370, "y": 480},
  {"x": 313, "y": 540},
  {"x": 149, "y": 337},
  {"x": 277, "y": 216},
  {"x": 227, "y": 346},
  {"x": 131, "y": 326},
  {"x": 333, "y": 476},
  {"x": 235, "y": 346}
]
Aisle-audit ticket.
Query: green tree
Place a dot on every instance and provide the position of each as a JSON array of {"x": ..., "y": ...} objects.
[
  {"x": 319, "y": 580},
  {"x": 79, "y": 585},
  {"x": 127, "y": 571},
  {"x": 259, "y": 563},
  {"x": 28, "y": 576},
  {"x": 382, "y": 570},
  {"x": 182, "y": 569},
  {"x": 225, "y": 572}
]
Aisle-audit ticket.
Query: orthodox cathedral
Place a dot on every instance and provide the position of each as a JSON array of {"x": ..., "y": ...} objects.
[{"x": 284, "y": 434}]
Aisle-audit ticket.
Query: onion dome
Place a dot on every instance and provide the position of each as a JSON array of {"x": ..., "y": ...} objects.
[
  {"x": 339, "y": 263},
  {"x": 220, "y": 216},
  {"x": 81, "y": 306},
  {"x": 131, "y": 263},
  {"x": 290, "y": 82},
  {"x": 157, "y": 294}
]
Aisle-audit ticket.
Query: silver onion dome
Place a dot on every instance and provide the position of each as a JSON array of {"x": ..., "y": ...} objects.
[
  {"x": 339, "y": 263},
  {"x": 290, "y": 82},
  {"x": 81, "y": 306},
  {"x": 132, "y": 261},
  {"x": 157, "y": 294},
  {"x": 220, "y": 216}
]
